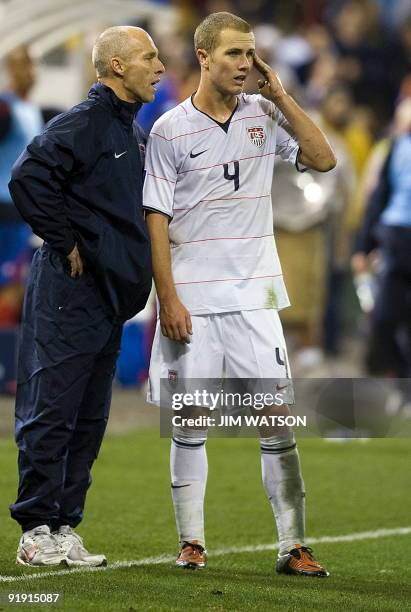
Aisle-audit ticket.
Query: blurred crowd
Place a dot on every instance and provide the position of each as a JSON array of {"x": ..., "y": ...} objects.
[{"x": 343, "y": 237}]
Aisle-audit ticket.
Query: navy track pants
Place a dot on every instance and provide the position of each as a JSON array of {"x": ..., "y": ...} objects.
[{"x": 67, "y": 357}]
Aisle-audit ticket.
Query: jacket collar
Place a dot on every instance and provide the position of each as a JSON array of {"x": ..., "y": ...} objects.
[{"x": 125, "y": 111}]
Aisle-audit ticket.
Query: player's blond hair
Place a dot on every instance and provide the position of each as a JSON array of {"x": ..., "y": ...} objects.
[{"x": 207, "y": 34}]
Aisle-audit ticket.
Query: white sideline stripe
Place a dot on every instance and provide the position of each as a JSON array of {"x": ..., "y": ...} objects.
[{"x": 219, "y": 552}]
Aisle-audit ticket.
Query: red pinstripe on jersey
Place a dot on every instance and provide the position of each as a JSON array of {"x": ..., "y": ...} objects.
[
  {"x": 160, "y": 178},
  {"x": 222, "y": 238},
  {"x": 212, "y": 127},
  {"x": 222, "y": 280},
  {"x": 181, "y": 135},
  {"x": 250, "y": 117},
  {"x": 240, "y": 197}
]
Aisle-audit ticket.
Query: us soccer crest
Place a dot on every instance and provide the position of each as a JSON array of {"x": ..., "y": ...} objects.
[{"x": 256, "y": 135}]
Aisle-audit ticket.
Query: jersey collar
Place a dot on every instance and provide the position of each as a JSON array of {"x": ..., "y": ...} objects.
[{"x": 224, "y": 126}]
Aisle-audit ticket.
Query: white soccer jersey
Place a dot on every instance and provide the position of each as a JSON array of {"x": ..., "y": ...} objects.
[{"x": 215, "y": 185}]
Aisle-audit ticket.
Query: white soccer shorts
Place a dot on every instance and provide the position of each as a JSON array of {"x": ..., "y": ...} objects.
[{"x": 248, "y": 344}]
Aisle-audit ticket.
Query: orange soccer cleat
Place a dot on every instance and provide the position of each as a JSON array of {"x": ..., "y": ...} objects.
[
  {"x": 192, "y": 556},
  {"x": 300, "y": 562}
]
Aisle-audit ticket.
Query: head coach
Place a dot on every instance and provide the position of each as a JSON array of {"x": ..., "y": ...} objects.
[{"x": 79, "y": 186}]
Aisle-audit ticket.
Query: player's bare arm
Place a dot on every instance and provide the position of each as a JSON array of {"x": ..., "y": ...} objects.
[
  {"x": 315, "y": 151},
  {"x": 175, "y": 319}
]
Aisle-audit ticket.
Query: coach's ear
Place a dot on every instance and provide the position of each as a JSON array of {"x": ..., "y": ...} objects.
[
  {"x": 202, "y": 57},
  {"x": 117, "y": 66}
]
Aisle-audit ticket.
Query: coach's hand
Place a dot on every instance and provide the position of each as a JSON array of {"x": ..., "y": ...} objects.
[
  {"x": 270, "y": 85},
  {"x": 76, "y": 263},
  {"x": 175, "y": 321}
]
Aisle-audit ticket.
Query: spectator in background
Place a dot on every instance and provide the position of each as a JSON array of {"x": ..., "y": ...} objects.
[
  {"x": 364, "y": 55},
  {"x": 387, "y": 227},
  {"x": 310, "y": 219},
  {"x": 20, "y": 121},
  {"x": 336, "y": 113},
  {"x": 394, "y": 12},
  {"x": 356, "y": 127},
  {"x": 300, "y": 216},
  {"x": 353, "y": 124},
  {"x": 323, "y": 77},
  {"x": 401, "y": 60}
]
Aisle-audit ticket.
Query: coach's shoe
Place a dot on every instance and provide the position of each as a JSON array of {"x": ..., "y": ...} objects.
[
  {"x": 39, "y": 547},
  {"x": 71, "y": 545},
  {"x": 300, "y": 562},
  {"x": 192, "y": 556}
]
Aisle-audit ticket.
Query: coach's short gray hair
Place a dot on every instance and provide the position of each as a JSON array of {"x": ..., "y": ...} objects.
[{"x": 112, "y": 42}]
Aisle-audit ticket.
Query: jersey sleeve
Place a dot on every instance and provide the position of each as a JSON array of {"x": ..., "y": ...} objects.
[
  {"x": 160, "y": 175},
  {"x": 287, "y": 146}
]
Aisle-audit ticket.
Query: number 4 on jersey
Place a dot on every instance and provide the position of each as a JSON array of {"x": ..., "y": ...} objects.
[{"x": 233, "y": 177}]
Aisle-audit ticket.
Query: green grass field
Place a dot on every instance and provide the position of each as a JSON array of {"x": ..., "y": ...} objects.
[{"x": 352, "y": 488}]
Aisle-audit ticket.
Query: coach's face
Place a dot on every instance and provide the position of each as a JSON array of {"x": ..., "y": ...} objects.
[
  {"x": 231, "y": 61},
  {"x": 142, "y": 68}
]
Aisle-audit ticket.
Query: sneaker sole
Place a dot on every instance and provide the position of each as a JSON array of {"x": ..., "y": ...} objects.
[
  {"x": 302, "y": 573},
  {"x": 72, "y": 563},
  {"x": 62, "y": 563},
  {"x": 191, "y": 566}
]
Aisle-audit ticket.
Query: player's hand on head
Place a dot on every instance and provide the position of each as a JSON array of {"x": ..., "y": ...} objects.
[
  {"x": 175, "y": 321},
  {"x": 270, "y": 85},
  {"x": 76, "y": 263}
]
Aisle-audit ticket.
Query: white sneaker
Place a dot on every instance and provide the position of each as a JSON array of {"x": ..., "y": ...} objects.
[
  {"x": 39, "y": 547},
  {"x": 71, "y": 546}
]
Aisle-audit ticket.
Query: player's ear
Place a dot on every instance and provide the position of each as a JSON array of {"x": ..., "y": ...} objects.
[
  {"x": 117, "y": 66},
  {"x": 203, "y": 58}
]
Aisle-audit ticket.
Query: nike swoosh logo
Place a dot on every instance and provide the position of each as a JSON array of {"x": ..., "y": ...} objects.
[
  {"x": 179, "y": 486},
  {"x": 193, "y": 155},
  {"x": 281, "y": 388},
  {"x": 117, "y": 155}
]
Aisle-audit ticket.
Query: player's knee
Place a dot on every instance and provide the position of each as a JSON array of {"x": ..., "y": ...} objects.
[
  {"x": 190, "y": 438},
  {"x": 278, "y": 444}
]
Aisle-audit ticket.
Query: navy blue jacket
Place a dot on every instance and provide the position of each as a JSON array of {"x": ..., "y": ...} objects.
[{"x": 80, "y": 182}]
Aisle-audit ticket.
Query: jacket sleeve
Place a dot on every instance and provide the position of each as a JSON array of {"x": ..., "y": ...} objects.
[
  {"x": 40, "y": 175},
  {"x": 366, "y": 240}
]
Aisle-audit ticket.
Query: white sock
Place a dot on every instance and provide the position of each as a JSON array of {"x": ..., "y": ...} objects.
[
  {"x": 284, "y": 485},
  {"x": 189, "y": 468}
]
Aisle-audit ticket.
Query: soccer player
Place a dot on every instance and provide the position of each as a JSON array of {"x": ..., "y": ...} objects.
[{"x": 207, "y": 193}]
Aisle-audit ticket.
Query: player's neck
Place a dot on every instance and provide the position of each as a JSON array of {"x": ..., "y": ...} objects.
[{"x": 215, "y": 104}]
